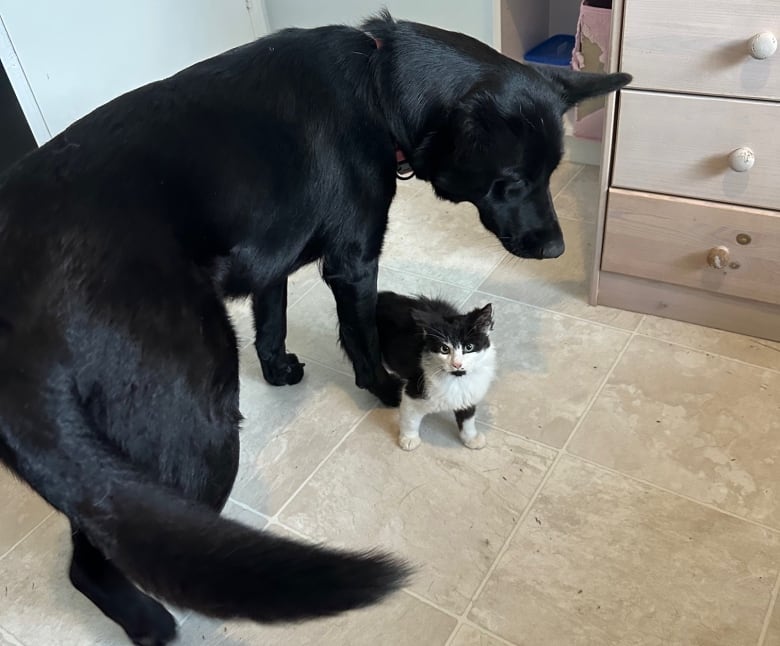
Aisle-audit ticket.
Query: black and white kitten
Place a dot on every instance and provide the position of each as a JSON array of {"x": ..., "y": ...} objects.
[{"x": 444, "y": 357}]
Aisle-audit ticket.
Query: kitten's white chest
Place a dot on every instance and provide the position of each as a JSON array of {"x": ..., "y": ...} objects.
[{"x": 446, "y": 392}]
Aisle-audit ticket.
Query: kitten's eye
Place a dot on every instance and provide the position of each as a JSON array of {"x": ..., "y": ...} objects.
[
  {"x": 469, "y": 347},
  {"x": 445, "y": 349}
]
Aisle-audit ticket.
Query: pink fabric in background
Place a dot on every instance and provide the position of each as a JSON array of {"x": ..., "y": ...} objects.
[{"x": 595, "y": 25}]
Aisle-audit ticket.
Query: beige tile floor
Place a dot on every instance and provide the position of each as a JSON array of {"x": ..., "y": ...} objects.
[{"x": 629, "y": 493}]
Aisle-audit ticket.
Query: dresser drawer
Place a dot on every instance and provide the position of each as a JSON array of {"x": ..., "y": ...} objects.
[
  {"x": 681, "y": 145},
  {"x": 701, "y": 46},
  {"x": 677, "y": 240}
]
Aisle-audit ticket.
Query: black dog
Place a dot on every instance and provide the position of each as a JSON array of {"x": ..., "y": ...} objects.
[{"x": 120, "y": 237}]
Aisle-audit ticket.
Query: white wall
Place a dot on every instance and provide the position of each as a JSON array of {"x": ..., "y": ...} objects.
[
  {"x": 564, "y": 15},
  {"x": 66, "y": 57},
  {"x": 471, "y": 17}
]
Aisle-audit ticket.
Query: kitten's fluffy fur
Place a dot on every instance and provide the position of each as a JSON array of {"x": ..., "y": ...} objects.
[{"x": 444, "y": 357}]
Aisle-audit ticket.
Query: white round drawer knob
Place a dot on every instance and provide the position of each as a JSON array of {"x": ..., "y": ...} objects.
[
  {"x": 763, "y": 45},
  {"x": 742, "y": 159}
]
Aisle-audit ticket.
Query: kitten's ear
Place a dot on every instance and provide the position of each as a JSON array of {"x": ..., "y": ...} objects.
[{"x": 483, "y": 318}]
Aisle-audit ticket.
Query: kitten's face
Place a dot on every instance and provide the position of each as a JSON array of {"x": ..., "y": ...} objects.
[{"x": 455, "y": 345}]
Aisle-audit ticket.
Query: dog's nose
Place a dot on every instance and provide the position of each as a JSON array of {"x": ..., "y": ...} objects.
[{"x": 553, "y": 249}]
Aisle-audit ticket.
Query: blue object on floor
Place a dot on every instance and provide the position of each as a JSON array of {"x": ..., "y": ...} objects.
[{"x": 556, "y": 50}]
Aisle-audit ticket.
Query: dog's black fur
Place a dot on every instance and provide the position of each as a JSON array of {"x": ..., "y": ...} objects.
[{"x": 120, "y": 237}]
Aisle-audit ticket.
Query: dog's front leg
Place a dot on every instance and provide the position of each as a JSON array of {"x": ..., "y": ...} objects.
[
  {"x": 354, "y": 288},
  {"x": 280, "y": 368}
]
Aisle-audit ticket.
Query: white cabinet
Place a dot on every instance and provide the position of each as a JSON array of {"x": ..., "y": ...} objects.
[
  {"x": 689, "y": 224},
  {"x": 66, "y": 58}
]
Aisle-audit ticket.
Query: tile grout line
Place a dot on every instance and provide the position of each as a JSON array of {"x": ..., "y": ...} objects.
[
  {"x": 411, "y": 593},
  {"x": 12, "y": 639},
  {"x": 306, "y": 291},
  {"x": 248, "y": 508},
  {"x": 504, "y": 548},
  {"x": 408, "y": 592},
  {"x": 494, "y": 427},
  {"x": 557, "y": 193},
  {"x": 634, "y": 332},
  {"x": 769, "y": 612},
  {"x": 464, "y": 288},
  {"x": 479, "y": 629},
  {"x": 290, "y": 304},
  {"x": 599, "y": 390},
  {"x": 299, "y": 534},
  {"x": 563, "y": 314},
  {"x": 26, "y": 536},
  {"x": 629, "y": 476},
  {"x": 676, "y": 494},
  {"x": 454, "y": 615},
  {"x": 647, "y": 483},
  {"x": 709, "y": 352},
  {"x": 571, "y": 179},
  {"x": 503, "y": 257},
  {"x": 581, "y": 220},
  {"x": 275, "y": 517},
  {"x": 534, "y": 497},
  {"x": 326, "y": 366}
]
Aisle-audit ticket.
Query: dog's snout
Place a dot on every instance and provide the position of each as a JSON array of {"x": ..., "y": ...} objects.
[{"x": 553, "y": 249}]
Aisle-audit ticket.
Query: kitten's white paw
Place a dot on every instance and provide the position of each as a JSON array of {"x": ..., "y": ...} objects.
[
  {"x": 474, "y": 442},
  {"x": 409, "y": 443}
]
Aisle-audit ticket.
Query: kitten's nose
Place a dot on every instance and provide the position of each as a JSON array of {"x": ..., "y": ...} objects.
[{"x": 457, "y": 363}]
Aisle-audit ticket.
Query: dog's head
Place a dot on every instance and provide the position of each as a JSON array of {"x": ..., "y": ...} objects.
[{"x": 498, "y": 147}]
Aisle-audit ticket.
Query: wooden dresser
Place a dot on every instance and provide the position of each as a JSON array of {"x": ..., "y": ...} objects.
[{"x": 690, "y": 211}]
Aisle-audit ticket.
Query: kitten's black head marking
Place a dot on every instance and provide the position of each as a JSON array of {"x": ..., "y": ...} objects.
[
  {"x": 411, "y": 329},
  {"x": 469, "y": 331}
]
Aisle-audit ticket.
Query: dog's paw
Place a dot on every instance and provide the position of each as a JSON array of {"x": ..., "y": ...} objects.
[
  {"x": 409, "y": 443},
  {"x": 475, "y": 441},
  {"x": 153, "y": 625},
  {"x": 284, "y": 371},
  {"x": 388, "y": 390}
]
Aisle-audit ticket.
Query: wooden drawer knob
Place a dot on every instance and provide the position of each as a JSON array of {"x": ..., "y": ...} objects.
[
  {"x": 763, "y": 45},
  {"x": 718, "y": 257},
  {"x": 742, "y": 159}
]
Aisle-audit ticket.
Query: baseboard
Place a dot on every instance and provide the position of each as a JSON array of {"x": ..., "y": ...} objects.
[
  {"x": 709, "y": 309},
  {"x": 581, "y": 151}
]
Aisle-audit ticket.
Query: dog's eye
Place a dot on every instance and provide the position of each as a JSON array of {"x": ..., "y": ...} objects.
[
  {"x": 498, "y": 188},
  {"x": 444, "y": 349},
  {"x": 516, "y": 186},
  {"x": 503, "y": 188},
  {"x": 469, "y": 347}
]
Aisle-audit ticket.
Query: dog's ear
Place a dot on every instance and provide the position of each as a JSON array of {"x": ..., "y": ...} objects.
[
  {"x": 455, "y": 133},
  {"x": 574, "y": 87}
]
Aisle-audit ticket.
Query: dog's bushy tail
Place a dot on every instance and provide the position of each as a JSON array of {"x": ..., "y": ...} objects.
[{"x": 186, "y": 553}]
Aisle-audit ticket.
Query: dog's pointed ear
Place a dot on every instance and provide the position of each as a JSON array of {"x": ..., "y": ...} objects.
[{"x": 574, "y": 87}]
